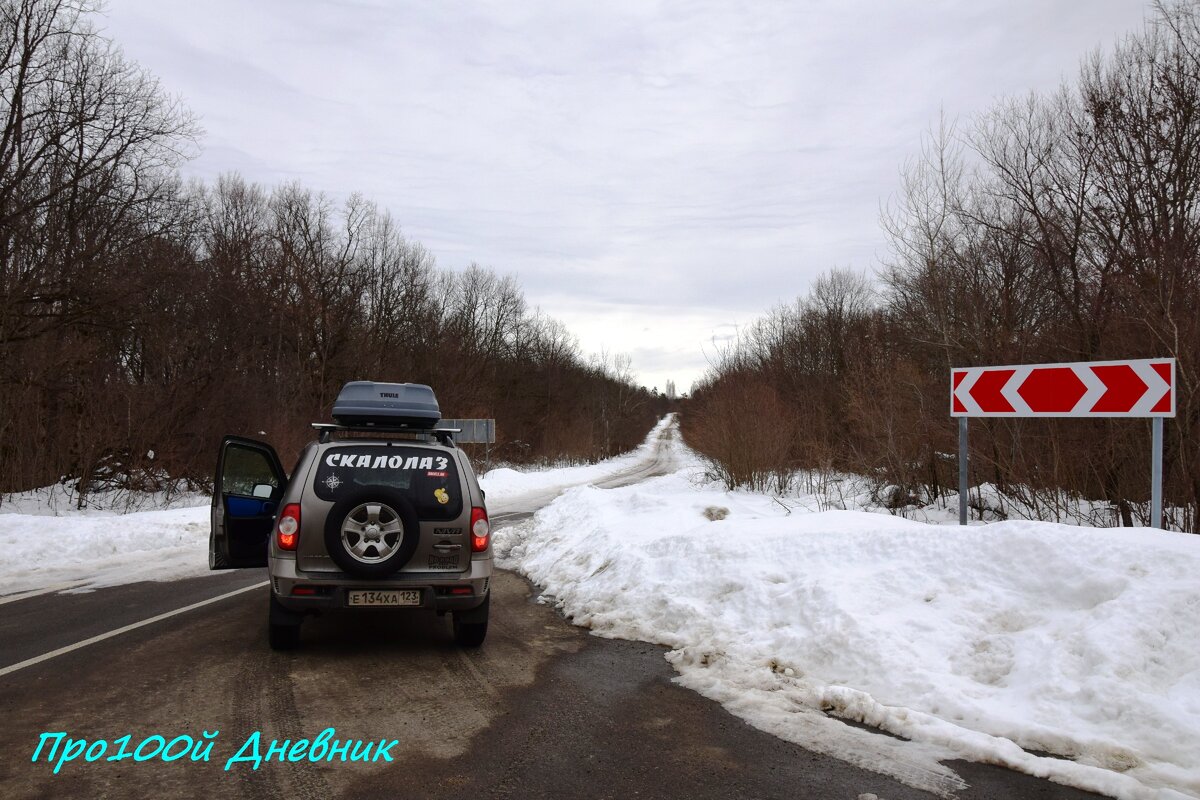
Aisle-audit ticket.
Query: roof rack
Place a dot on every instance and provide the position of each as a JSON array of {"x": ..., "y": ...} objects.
[{"x": 444, "y": 436}]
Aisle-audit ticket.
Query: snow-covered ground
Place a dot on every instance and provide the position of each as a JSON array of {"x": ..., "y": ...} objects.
[
  {"x": 61, "y": 499},
  {"x": 45, "y": 541},
  {"x": 832, "y": 490},
  {"x": 994, "y": 643},
  {"x": 985, "y": 643}
]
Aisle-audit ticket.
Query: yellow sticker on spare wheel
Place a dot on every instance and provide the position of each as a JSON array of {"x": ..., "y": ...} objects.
[{"x": 442, "y": 496}]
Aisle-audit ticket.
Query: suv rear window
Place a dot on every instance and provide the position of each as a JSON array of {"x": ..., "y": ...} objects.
[{"x": 428, "y": 478}]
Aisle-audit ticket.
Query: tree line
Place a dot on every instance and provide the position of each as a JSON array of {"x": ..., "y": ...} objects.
[
  {"x": 1053, "y": 227},
  {"x": 143, "y": 316}
]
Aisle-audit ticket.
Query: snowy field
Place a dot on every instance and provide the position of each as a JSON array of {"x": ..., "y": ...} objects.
[{"x": 986, "y": 643}]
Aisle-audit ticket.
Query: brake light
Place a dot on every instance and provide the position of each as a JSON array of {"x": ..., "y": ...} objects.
[
  {"x": 480, "y": 528},
  {"x": 287, "y": 530}
]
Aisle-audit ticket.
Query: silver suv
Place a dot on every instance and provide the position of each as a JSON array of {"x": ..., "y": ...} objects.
[{"x": 382, "y": 511}]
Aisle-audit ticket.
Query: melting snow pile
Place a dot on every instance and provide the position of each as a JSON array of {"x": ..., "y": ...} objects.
[
  {"x": 982, "y": 643},
  {"x": 102, "y": 550}
]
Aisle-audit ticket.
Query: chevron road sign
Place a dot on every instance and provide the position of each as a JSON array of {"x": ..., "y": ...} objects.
[
  {"x": 1142, "y": 388},
  {"x": 1138, "y": 388}
]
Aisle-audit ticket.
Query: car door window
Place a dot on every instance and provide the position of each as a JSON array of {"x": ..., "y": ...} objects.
[{"x": 244, "y": 469}]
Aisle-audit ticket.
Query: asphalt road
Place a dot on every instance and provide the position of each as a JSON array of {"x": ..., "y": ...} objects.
[{"x": 543, "y": 710}]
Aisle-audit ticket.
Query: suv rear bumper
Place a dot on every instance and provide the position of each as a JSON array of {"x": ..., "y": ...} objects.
[{"x": 330, "y": 590}]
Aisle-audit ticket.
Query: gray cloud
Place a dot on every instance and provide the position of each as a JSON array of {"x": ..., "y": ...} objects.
[{"x": 663, "y": 165}]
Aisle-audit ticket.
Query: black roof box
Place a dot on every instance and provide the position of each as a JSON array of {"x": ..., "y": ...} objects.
[{"x": 386, "y": 404}]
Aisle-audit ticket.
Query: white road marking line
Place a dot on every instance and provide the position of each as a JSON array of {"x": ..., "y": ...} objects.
[
  {"x": 117, "y": 632},
  {"x": 12, "y": 598}
]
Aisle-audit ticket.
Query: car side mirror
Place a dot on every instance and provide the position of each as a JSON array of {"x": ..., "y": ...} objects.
[{"x": 263, "y": 491}]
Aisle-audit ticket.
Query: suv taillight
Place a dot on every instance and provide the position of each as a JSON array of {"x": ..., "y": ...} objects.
[
  {"x": 287, "y": 529},
  {"x": 480, "y": 529}
]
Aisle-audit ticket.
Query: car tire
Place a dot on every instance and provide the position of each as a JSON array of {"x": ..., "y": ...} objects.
[
  {"x": 283, "y": 637},
  {"x": 283, "y": 627},
  {"x": 398, "y": 508},
  {"x": 472, "y": 633}
]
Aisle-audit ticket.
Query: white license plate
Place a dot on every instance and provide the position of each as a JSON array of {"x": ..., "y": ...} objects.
[{"x": 402, "y": 597}]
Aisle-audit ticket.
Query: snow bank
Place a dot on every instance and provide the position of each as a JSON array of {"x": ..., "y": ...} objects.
[
  {"x": 40, "y": 551},
  {"x": 983, "y": 643}
]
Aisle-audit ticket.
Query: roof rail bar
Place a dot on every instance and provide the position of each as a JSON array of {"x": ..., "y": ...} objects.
[{"x": 444, "y": 435}]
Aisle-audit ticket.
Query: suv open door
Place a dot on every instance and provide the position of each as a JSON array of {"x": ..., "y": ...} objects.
[{"x": 248, "y": 487}]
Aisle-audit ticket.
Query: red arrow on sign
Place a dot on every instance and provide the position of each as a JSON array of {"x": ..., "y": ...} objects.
[
  {"x": 986, "y": 391},
  {"x": 1139, "y": 388},
  {"x": 1123, "y": 388}
]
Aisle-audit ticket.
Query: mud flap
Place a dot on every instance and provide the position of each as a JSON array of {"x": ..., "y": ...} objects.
[
  {"x": 279, "y": 615},
  {"x": 473, "y": 615}
]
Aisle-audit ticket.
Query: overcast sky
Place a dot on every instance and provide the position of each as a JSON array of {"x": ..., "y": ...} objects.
[{"x": 655, "y": 173}]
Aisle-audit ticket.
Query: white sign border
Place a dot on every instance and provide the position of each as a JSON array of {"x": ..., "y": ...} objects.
[{"x": 1095, "y": 390}]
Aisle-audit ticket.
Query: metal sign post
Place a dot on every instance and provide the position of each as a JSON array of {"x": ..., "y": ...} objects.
[
  {"x": 1138, "y": 388},
  {"x": 1156, "y": 470},
  {"x": 963, "y": 486}
]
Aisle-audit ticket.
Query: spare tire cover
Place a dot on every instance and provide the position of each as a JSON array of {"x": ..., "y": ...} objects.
[{"x": 372, "y": 531}]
